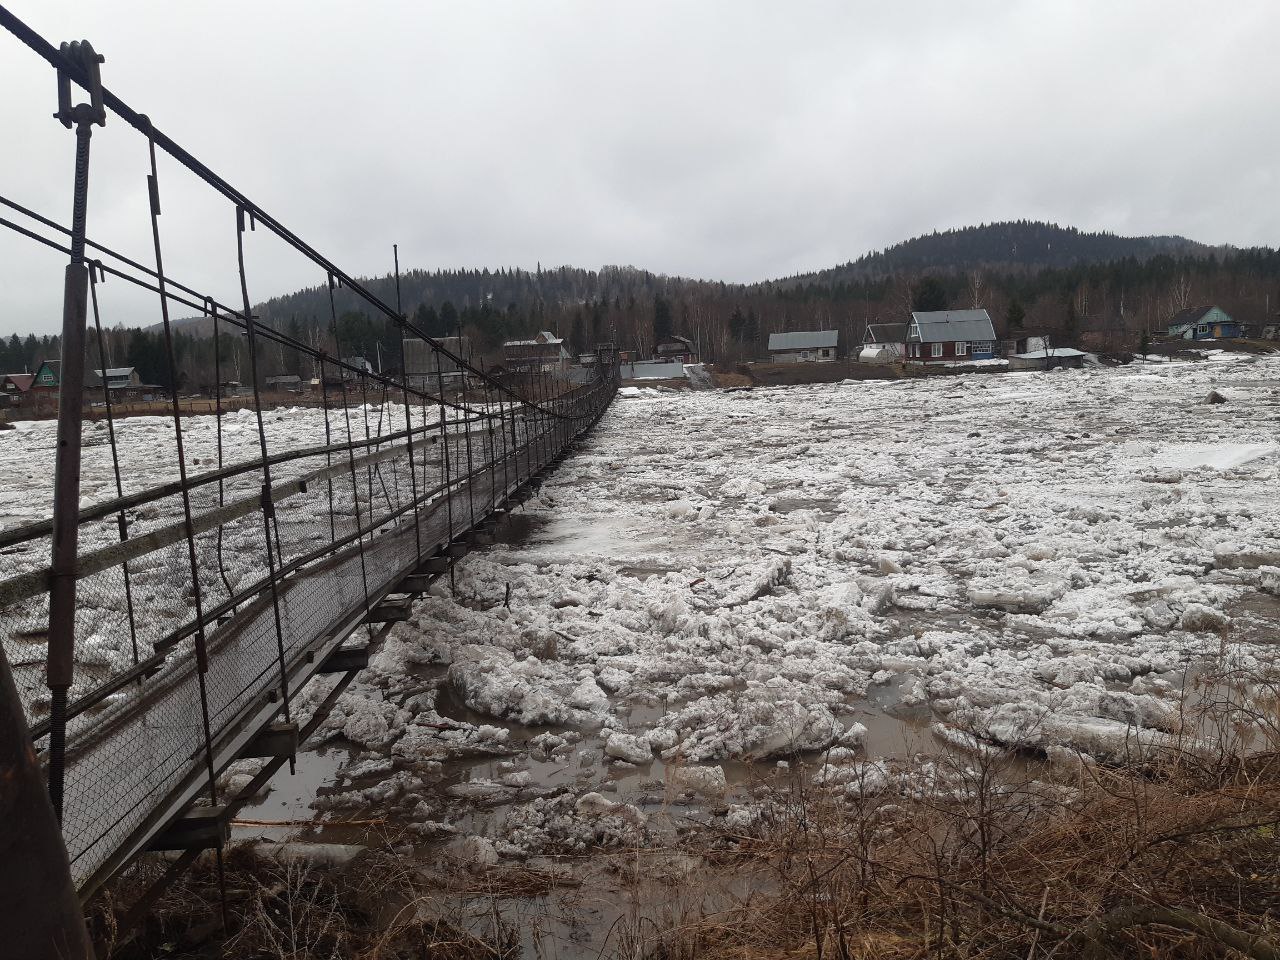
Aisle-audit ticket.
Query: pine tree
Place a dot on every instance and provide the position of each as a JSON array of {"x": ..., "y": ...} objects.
[
  {"x": 1014, "y": 316},
  {"x": 663, "y": 324},
  {"x": 448, "y": 319},
  {"x": 929, "y": 295},
  {"x": 1072, "y": 326}
]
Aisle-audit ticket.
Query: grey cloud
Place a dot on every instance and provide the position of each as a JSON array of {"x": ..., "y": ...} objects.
[{"x": 730, "y": 140}]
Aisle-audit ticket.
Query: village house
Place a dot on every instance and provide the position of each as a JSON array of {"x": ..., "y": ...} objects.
[
  {"x": 950, "y": 336},
  {"x": 675, "y": 349},
  {"x": 883, "y": 343},
  {"x": 123, "y": 383},
  {"x": 1208, "y": 322},
  {"x": 289, "y": 382},
  {"x": 1025, "y": 343},
  {"x": 545, "y": 353},
  {"x": 14, "y": 388},
  {"x": 817, "y": 346},
  {"x": 48, "y": 377}
]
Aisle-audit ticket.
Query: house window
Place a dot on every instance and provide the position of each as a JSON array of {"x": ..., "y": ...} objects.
[
  {"x": 937, "y": 350},
  {"x": 962, "y": 348},
  {"x": 1203, "y": 328}
]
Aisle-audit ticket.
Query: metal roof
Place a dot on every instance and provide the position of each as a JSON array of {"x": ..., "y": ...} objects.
[
  {"x": 1190, "y": 315},
  {"x": 20, "y": 381},
  {"x": 886, "y": 333},
  {"x": 546, "y": 337},
  {"x": 949, "y": 326},
  {"x": 803, "y": 340}
]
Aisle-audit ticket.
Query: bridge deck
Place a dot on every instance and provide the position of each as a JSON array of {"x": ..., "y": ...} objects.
[{"x": 138, "y": 758}]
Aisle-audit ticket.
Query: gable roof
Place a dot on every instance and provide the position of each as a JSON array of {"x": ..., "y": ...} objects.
[
  {"x": 21, "y": 381},
  {"x": 54, "y": 367},
  {"x": 1192, "y": 315},
  {"x": 116, "y": 377},
  {"x": 803, "y": 340},
  {"x": 948, "y": 326},
  {"x": 886, "y": 333},
  {"x": 546, "y": 337}
]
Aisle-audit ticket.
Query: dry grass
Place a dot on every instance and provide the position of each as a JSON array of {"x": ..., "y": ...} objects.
[
  {"x": 1170, "y": 852},
  {"x": 285, "y": 909}
]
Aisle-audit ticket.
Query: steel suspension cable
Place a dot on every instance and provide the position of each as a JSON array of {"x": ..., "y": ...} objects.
[
  {"x": 200, "y": 641},
  {"x": 268, "y": 506},
  {"x": 351, "y": 456}
]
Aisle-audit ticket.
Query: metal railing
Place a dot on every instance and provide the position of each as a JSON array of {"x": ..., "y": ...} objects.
[{"x": 152, "y": 632}]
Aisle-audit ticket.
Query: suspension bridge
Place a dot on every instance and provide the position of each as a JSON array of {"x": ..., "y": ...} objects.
[{"x": 151, "y": 637}]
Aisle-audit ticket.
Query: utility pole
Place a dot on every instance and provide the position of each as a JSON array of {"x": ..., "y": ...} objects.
[{"x": 39, "y": 910}]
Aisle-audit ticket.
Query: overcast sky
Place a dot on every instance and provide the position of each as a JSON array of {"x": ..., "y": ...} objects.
[{"x": 730, "y": 140}]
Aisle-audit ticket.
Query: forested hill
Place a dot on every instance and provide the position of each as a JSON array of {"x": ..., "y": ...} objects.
[
  {"x": 517, "y": 300},
  {"x": 532, "y": 291},
  {"x": 1008, "y": 246},
  {"x": 529, "y": 299}
]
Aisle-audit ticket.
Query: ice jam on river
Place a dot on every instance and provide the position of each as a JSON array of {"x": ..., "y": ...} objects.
[{"x": 835, "y": 575}]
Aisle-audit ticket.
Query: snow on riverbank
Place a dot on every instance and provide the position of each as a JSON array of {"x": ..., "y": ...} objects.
[{"x": 720, "y": 577}]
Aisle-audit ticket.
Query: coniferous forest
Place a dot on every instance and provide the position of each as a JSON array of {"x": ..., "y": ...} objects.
[{"x": 1100, "y": 290}]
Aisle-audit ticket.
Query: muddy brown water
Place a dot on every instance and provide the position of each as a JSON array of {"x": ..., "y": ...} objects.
[
  {"x": 609, "y": 896},
  {"x": 609, "y": 899}
]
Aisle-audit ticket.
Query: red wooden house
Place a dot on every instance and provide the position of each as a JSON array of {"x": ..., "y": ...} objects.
[{"x": 950, "y": 336}]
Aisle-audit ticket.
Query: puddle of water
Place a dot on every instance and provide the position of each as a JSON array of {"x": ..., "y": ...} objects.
[{"x": 286, "y": 801}]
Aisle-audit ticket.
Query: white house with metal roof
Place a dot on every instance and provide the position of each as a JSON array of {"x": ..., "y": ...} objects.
[
  {"x": 806, "y": 346},
  {"x": 950, "y": 336},
  {"x": 545, "y": 353}
]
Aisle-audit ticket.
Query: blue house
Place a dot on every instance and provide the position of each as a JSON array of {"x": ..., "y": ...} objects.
[{"x": 1205, "y": 323}]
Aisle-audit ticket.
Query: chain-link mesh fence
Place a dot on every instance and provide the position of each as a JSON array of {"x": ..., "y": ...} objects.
[{"x": 234, "y": 537}]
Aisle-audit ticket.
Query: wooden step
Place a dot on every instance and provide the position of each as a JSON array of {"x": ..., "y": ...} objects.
[
  {"x": 345, "y": 659},
  {"x": 391, "y": 610},
  {"x": 276, "y": 740},
  {"x": 200, "y": 828},
  {"x": 418, "y": 582}
]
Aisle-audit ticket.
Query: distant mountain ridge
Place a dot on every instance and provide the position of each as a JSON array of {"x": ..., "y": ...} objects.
[
  {"x": 1011, "y": 245},
  {"x": 1015, "y": 247}
]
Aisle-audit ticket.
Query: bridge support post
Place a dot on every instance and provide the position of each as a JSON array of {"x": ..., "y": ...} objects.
[
  {"x": 66, "y": 469},
  {"x": 39, "y": 911}
]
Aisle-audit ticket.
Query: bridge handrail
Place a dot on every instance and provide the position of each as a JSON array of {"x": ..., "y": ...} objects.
[{"x": 34, "y": 583}]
